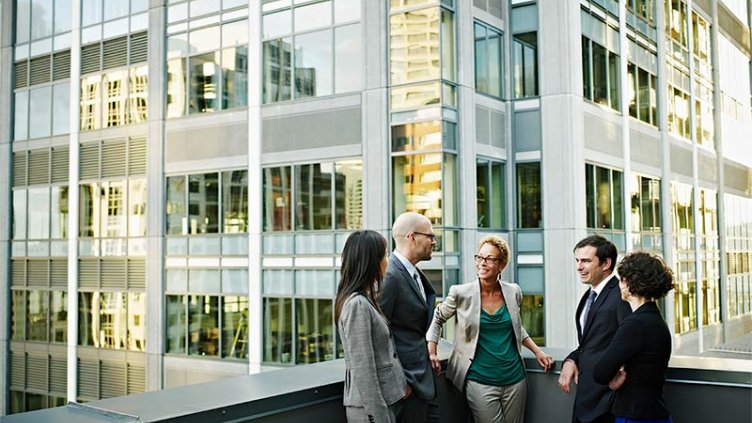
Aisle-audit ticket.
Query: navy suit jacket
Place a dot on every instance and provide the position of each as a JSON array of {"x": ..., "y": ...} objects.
[
  {"x": 593, "y": 399},
  {"x": 409, "y": 318}
]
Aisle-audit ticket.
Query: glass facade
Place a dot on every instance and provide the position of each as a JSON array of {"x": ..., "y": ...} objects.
[{"x": 361, "y": 114}]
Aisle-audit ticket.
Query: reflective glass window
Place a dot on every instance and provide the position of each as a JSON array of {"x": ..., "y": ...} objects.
[
  {"x": 448, "y": 70},
  {"x": 21, "y": 118},
  {"x": 313, "y": 199},
  {"x": 18, "y": 315},
  {"x": 235, "y": 33},
  {"x": 36, "y": 315},
  {"x": 415, "y": 95},
  {"x": 346, "y": 10},
  {"x": 138, "y": 94},
  {"x": 42, "y": 12},
  {"x": 278, "y": 330},
  {"x": 19, "y": 214},
  {"x": 348, "y": 191},
  {"x": 529, "y": 204},
  {"x": 176, "y": 323},
  {"x": 490, "y": 194},
  {"x": 88, "y": 315},
  {"x": 525, "y": 64},
  {"x": 417, "y": 185},
  {"x": 235, "y": 201},
  {"x": 91, "y": 12},
  {"x": 59, "y": 212},
  {"x": 235, "y": 327},
  {"x": 313, "y": 16},
  {"x": 277, "y": 24},
  {"x": 61, "y": 108},
  {"x": 176, "y": 88},
  {"x": 112, "y": 324},
  {"x": 348, "y": 59},
  {"x": 277, "y": 198},
  {"x": 203, "y": 203},
  {"x": 417, "y": 136},
  {"x": 203, "y": 325},
  {"x": 234, "y": 77},
  {"x": 137, "y": 321},
  {"x": 137, "y": 207},
  {"x": 89, "y": 209},
  {"x": 114, "y": 96},
  {"x": 206, "y": 39},
  {"x": 23, "y": 18},
  {"x": 315, "y": 330},
  {"x": 59, "y": 316},
  {"x": 176, "y": 206},
  {"x": 414, "y": 46},
  {"x": 277, "y": 78},
  {"x": 114, "y": 9},
  {"x": 114, "y": 208},
  {"x": 204, "y": 83},
  {"x": 313, "y": 64},
  {"x": 39, "y": 213},
  {"x": 91, "y": 102},
  {"x": 204, "y": 7},
  {"x": 40, "y": 113}
]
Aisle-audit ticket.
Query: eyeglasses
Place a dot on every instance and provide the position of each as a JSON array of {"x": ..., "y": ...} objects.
[
  {"x": 488, "y": 260},
  {"x": 432, "y": 237}
]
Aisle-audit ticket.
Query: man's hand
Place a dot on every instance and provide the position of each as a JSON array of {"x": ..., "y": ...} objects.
[
  {"x": 408, "y": 391},
  {"x": 433, "y": 356},
  {"x": 569, "y": 371},
  {"x": 618, "y": 380}
]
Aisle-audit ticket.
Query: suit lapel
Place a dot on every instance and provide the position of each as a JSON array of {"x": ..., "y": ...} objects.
[
  {"x": 580, "y": 307},
  {"x": 599, "y": 300},
  {"x": 410, "y": 281},
  {"x": 511, "y": 301}
]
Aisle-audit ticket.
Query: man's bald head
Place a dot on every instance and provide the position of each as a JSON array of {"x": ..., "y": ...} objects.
[{"x": 413, "y": 236}]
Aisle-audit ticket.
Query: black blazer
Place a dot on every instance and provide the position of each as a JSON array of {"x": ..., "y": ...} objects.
[
  {"x": 409, "y": 318},
  {"x": 593, "y": 399},
  {"x": 643, "y": 345}
]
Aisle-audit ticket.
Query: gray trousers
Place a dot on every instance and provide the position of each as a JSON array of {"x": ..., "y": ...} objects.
[
  {"x": 359, "y": 415},
  {"x": 497, "y": 404}
]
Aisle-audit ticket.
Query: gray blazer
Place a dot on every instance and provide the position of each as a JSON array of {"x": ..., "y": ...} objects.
[
  {"x": 464, "y": 301},
  {"x": 374, "y": 378},
  {"x": 409, "y": 316}
]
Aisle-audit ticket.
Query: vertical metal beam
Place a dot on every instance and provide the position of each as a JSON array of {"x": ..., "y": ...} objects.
[
  {"x": 255, "y": 191},
  {"x": 626, "y": 146},
  {"x": 74, "y": 124}
]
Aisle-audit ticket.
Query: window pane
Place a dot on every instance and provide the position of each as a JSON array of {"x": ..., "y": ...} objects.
[
  {"x": 115, "y": 95},
  {"x": 497, "y": 196},
  {"x": 40, "y": 112},
  {"x": 61, "y": 108},
  {"x": 416, "y": 185},
  {"x": 496, "y": 66},
  {"x": 137, "y": 321},
  {"x": 36, "y": 316},
  {"x": 91, "y": 12},
  {"x": 41, "y": 18},
  {"x": 447, "y": 45},
  {"x": 137, "y": 207},
  {"x": 617, "y": 195},
  {"x": 313, "y": 200},
  {"x": 19, "y": 214},
  {"x": 23, "y": 18},
  {"x": 59, "y": 213},
  {"x": 235, "y": 201},
  {"x": 613, "y": 80},
  {"x": 346, "y": 10},
  {"x": 313, "y": 64},
  {"x": 590, "y": 195},
  {"x": 482, "y": 194},
  {"x": 203, "y": 203},
  {"x": 204, "y": 81},
  {"x": 235, "y": 33},
  {"x": 114, "y": 9},
  {"x": 600, "y": 74},
  {"x": 482, "y": 82},
  {"x": 175, "y": 207},
  {"x": 449, "y": 177},
  {"x": 59, "y": 316},
  {"x": 587, "y": 92},
  {"x": 529, "y": 211},
  {"x": 317, "y": 15},
  {"x": 18, "y": 323},
  {"x": 277, "y": 196},
  {"x": 235, "y": 327},
  {"x": 21, "y": 109},
  {"x": 414, "y": 47},
  {"x": 276, "y": 24},
  {"x": 176, "y": 89},
  {"x": 278, "y": 330},
  {"x": 113, "y": 328},
  {"x": 88, "y": 308},
  {"x": 348, "y": 188},
  {"x": 204, "y": 7},
  {"x": 91, "y": 102},
  {"x": 203, "y": 325},
  {"x": 39, "y": 213},
  {"x": 138, "y": 94},
  {"x": 90, "y": 199},
  {"x": 348, "y": 60},
  {"x": 603, "y": 198},
  {"x": 114, "y": 209},
  {"x": 315, "y": 328},
  {"x": 234, "y": 77},
  {"x": 277, "y": 70},
  {"x": 63, "y": 16},
  {"x": 417, "y": 136},
  {"x": 415, "y": 96},
  {"x": 176, "y": 323}
]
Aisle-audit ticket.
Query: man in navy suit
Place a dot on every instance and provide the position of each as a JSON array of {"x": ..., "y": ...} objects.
[
  {"x": 407, "y": 300},
  {"x": 599, "y": 313}
]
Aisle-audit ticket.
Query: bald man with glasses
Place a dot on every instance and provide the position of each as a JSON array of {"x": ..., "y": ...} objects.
[{"x": 407, "y": 300}]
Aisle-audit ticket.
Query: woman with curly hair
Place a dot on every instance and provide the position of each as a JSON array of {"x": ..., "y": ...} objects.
[{"x": 635, "y": 363}]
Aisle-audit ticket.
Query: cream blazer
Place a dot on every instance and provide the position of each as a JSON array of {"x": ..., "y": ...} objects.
[{"x": 464, "y": 302}]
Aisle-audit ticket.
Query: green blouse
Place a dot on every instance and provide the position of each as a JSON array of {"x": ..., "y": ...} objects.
[{"x": 497, "y": 361}]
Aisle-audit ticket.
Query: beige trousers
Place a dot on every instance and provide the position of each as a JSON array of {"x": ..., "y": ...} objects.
[{"x": 497, "y": 404}]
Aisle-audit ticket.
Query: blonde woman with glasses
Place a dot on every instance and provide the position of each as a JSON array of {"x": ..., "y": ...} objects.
[{"x": 486, "y": 361}]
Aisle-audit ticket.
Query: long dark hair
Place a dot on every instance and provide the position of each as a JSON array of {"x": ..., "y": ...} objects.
[{"x": 361, "y": 267}]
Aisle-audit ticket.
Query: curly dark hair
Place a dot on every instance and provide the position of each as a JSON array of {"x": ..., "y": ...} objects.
[{"x": 646, "y": 275}]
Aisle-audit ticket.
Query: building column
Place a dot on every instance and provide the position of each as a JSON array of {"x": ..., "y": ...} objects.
[
  {"x": 7, "y": 14},
  {"x": 562, "y": 161},
  {"x": 375, "y": 117},
  {"x": 155, "y": 198},
  {"x": 73, "y": 203},
  {"x": 255, "y": 200},
  {"x": 627, "y": 180}
]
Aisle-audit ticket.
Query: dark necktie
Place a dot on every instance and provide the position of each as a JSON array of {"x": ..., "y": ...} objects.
[{"x": 588, "y": 305}]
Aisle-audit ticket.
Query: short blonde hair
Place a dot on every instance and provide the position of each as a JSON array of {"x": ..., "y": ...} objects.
[{"x": 499, "y": 243}]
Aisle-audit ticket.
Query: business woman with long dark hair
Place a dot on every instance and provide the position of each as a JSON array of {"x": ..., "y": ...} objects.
[
  {"x": 374, "y": 380},
  {"x": 635, "y": 363}
]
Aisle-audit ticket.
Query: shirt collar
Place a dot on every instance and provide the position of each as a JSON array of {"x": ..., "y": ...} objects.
[
  {"x": 601, "y": 286},
  {"x": 405, "y": 262}
]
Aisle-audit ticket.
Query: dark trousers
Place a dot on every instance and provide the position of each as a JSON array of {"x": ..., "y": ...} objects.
[
  {"x": 606, "y": 418},
  {"x": 417, "y": 410}
]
